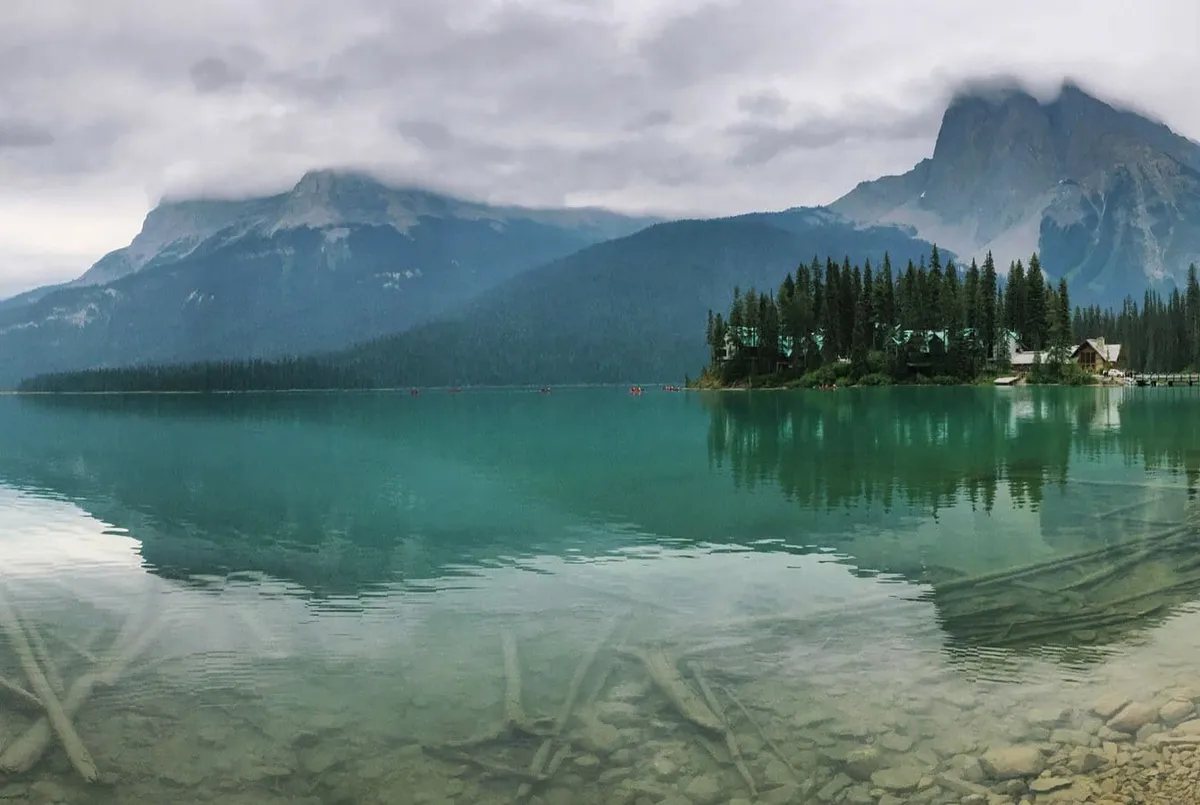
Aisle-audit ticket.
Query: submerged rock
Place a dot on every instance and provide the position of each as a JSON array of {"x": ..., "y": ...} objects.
[
  {"x": 1132, "y": 717},
  {"x": 1109, "y": 704},
  {"x": 783, "y": 795},
  {"x": 899, "y": 780},
  {"x": 1175, "y": 711},
  {"x": 776, "y": 773},
  {"x": 862, "y": 763},
  {"x": 599, "y": 737},
  {"x": 858, "y": 795},
  {"x": 895, "y": 742},
  {"x": 1044, "y": 785},
  {"x": 1013, "y": 762},
  {"x": 703, "y": 790},
  {"x": 1073, "y": 738},
  {"x": 1047, "y": 716},
  {"x": 967, "y": 767},
  {"x": 665, "y": 768},
  {"x": 1083, "y": 761},
  {"x": 48, "y": 791},
  {"x": 834, "y": 787},
  {"x": 14, "y": 791}
]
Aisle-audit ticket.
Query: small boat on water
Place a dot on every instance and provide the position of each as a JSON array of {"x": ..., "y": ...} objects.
[{"x": 635, "y": 390}]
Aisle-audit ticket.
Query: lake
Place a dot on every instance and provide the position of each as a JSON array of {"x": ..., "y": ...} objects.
[{"x": 940, "y": 595}]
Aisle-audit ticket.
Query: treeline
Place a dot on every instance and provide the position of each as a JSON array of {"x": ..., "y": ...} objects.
[
  {"x": 880, "y": 321},
  {"x": 284, "y": 374},
  {"x": 937, "y": 450},
  {"x": 1162, "y": 335}
]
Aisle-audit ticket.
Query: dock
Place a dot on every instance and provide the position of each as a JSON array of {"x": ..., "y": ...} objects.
[{"x": 1162, "y": 379}]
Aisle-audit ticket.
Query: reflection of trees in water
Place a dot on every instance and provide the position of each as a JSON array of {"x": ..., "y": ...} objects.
[
  {"x": 1160, "y": 429},
  {"x": 1110, "y": 556},
  {"x": 931, "y": 448}
]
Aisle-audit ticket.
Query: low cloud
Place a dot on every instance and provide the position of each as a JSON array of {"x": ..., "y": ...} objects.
[
  {"x": 211, "y": 74},
  {"x": 22, "y": 134},
  {"x": 659, "y": 105}
]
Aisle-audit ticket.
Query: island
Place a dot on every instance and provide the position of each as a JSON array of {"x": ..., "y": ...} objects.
[{"x": 835, "y": 324}]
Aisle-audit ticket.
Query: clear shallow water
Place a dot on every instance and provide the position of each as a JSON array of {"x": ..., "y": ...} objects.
[{"x": 336, "y": 580}]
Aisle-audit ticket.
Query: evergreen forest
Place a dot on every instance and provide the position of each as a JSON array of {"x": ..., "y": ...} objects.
[
  {"x": 827, "y": 322},
  {"x": 837, "y": 323}
]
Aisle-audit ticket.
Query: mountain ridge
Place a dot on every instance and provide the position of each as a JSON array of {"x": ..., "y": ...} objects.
[
  {"x": 338, "y": 259},
  {"x": 629, "y": 309},
  {"x": 341, "y": 262},
  {"x": 1108, "y": 197},
  {"x": 319, "y": 199}
]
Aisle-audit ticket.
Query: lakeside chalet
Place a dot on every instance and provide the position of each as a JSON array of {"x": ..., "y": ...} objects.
[{"x": 1094, "y": 355}]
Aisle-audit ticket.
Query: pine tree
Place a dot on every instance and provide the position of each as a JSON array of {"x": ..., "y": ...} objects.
[
  {"x": 867, "y": 294},
  {"x": 909, "y": 298},
  {"x": 1015, "y": 294},
  {"x": 831, "y": 315},
  {"x": 1036, "y": 318},
  {"x": 886, "y": 302},
  {"x": 1193, "y": 316},
  {"x": 988, "y": 295},
  {"x": 861, "y": 340},
  {"x": 846, "y": 307},
  {"x": 710, "y": 336},
  {"x": 1060, "y": 331},
  {"x": 736, "y": 320}
]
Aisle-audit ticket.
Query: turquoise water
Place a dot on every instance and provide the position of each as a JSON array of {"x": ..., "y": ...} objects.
[{"x": 325, "y": 598}]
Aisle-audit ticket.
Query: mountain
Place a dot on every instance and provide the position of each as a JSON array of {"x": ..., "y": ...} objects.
[
  {"x": 1109, "y": 198},
  {"x": 340, "y": 258},
  {"x": 629, "y": 309}
]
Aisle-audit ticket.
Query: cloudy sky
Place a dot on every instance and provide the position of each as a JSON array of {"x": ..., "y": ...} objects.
[{"x": 675, "y": 106}]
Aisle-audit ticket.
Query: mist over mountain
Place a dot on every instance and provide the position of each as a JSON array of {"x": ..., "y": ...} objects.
[
  {"x": 1108, "y": 197},
  {"x": 339, "y": 258},
  {"x": 415, "y": 287}
]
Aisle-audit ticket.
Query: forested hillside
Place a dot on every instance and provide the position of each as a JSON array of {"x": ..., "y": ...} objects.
[
  {"x": 625, "y": 310},
  {"x": 927, "y": 320}
]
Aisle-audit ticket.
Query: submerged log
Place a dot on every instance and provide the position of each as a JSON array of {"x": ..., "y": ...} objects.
[
  {"x": 539, "y": 763},
  {"x": 56, "y": 715},
  {"x": 731, "y": 742},
  {"x": 514, "y": 712},
  {"x": 23, "y": 754},
  {"x": 499, "y": 769},
  {"x": 766, "y": 739},
  {"x": 20, "y": 696},
  {"x": 666, "y": 678},
  {"x": 1058, "y": 563},
  {"x": 44, "y": 658}
]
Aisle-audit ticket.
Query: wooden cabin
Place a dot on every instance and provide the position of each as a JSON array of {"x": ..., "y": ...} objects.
[{"x": 1097, "y": 356}]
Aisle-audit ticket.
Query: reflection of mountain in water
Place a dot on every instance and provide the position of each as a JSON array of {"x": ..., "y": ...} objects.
[
  {"x": 1107, "y": 546},
  {"x": 347, "y": 493},
  {"x": 297, "y": 492}
]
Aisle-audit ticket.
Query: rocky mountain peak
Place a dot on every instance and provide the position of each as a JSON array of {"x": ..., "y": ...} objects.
[{"x": 1110, "y": 197}]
